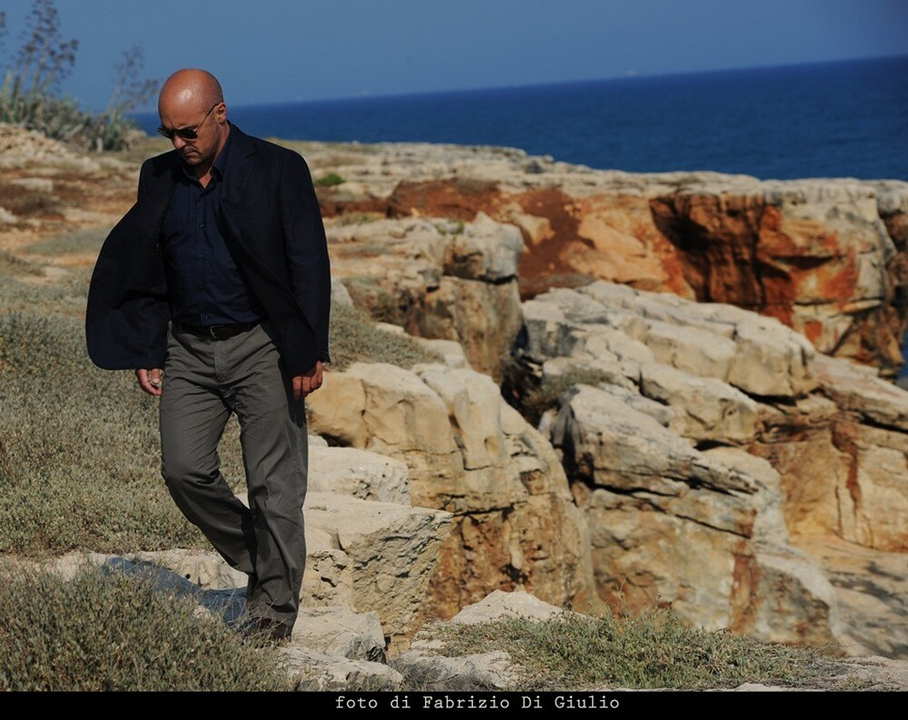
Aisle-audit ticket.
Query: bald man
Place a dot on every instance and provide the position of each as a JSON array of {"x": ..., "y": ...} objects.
[{"x": 215, "y": 289}]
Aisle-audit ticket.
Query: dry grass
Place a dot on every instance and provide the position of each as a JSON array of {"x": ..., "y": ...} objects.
[
  {"x": 354, "y": 337},
  {"x": 12, "y": 265},
  {"x": 78, "y": 241},
  {"x": 107, "y": 630},
  {"x": 652, "y": 650}
]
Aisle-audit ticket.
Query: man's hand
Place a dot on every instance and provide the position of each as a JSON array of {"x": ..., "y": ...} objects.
[
  {"x": 307, "y": 382},
  {"x": 150, "y": 380}
]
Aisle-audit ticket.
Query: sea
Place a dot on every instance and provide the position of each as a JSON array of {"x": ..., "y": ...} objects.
[{"x": 830, "y": 119}]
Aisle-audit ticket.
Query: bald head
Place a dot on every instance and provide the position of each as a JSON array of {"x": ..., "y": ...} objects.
[
  {"x": 191, "y": 99},
  {"x": 188, "y": 90}
]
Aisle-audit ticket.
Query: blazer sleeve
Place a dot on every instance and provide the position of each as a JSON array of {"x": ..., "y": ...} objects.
[{"x": 306, "y": 247}]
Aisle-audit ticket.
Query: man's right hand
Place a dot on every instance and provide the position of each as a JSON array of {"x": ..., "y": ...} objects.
[{"x": 150, "y": 380}]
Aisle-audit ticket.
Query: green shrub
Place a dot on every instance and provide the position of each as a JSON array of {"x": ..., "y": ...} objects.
[
  {"x": 106, "y": 630},
  {"x": 329, "y": 180}
]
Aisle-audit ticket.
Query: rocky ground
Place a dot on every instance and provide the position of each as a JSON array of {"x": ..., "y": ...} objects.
[{"x": 732, "y": 338}]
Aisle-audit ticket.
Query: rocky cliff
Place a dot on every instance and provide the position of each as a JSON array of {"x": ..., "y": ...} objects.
[
  {"x": 827, "y": 257},
  {"x": 722, "y": 441}
]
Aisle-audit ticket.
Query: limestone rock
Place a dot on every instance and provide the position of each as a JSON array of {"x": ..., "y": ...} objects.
[
  {"x": 317, "y": 671},
  {"x": 338, "y": 630},
  {"x": 393, "y": 551},
  {"x": 499, "y": 604},
  {"x": 471, "y": 454},
  {"x": 479, "y": 671},
  {"x": 437, "y": 278},
  {"x": 359, "y": 473}
]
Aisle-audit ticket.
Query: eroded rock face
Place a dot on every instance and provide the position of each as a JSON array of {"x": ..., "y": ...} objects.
[
  {"x": 391, "y": 550},
  {"x": 471, "y": 454},
  {"x": 436, "y": 278},
  {"x": 716, "y": 448},
  {"x": 826, "y": 257}
]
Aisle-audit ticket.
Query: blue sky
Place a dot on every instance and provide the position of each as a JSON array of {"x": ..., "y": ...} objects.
[{"x": 282, "y": 50}]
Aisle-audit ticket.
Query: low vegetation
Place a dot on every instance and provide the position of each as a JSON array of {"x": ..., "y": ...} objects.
[
  {"x": 539, "y": 398},
  {"x": 653, "y": 650},
  {"x": 79, "y": 461},
  {"x": 11, "y": 264},
  {"x": 329, "y": 180},
  {"x": 106, "y": 630},
  {"x": 87, "y": 240},
  {"x": 356, "y": 338}
]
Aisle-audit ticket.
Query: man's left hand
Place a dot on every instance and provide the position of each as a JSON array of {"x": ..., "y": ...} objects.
[{"x": 307, "y": 382}]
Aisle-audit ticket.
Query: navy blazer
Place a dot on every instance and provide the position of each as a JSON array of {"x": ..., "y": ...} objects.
[{"x": 271, "y": 222}]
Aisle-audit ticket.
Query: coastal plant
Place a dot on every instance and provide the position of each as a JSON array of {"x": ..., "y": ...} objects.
[
  {"x": 11, "y": 264},
  {"x": 450, "y": 227},
  {"x": 30, "y": 91},
  {"x": 355, "y": 337}
]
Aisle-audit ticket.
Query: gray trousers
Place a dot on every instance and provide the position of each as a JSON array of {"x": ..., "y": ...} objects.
[{"x": 204, "y": 381}]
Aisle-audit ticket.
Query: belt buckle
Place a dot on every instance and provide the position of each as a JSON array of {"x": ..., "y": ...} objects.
[{"x": 212, "y": 333}]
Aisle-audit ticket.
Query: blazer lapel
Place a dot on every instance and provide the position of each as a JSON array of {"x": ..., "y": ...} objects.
[
  {"x": 234, "y": 214},
  {"x": 161, "y": 183},
  {"x": 239, "y": 168}
]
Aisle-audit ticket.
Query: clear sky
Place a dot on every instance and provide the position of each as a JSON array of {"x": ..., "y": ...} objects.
[{"x": 280, "y": 50}]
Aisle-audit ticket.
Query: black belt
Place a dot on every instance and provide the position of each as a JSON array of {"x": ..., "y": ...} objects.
[{"x": 218, "y": 332}]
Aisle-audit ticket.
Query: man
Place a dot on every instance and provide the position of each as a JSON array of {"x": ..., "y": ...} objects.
[{"x": 215, "y": 288}]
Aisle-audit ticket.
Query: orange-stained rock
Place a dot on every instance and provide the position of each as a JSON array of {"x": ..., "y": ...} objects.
[{"x": 824, "y": 256}]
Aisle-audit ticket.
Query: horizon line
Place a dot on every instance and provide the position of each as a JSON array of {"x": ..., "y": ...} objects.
[{"x": 628, "y": 75}]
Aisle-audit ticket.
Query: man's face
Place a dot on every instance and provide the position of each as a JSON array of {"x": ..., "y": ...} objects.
[{"x": 205, "y": 121}]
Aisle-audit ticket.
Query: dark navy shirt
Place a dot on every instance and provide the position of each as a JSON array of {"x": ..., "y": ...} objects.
[{"x": 205, "y": 285}]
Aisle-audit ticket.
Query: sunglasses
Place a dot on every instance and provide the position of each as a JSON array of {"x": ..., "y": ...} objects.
[{"x": 187, "y": 133}]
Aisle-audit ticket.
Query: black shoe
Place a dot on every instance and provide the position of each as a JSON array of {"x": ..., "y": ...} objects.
[{"x": 261, "y": 631}]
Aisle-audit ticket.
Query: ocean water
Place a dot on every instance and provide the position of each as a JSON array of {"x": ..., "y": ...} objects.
[{"x": 842, "y": 119}]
